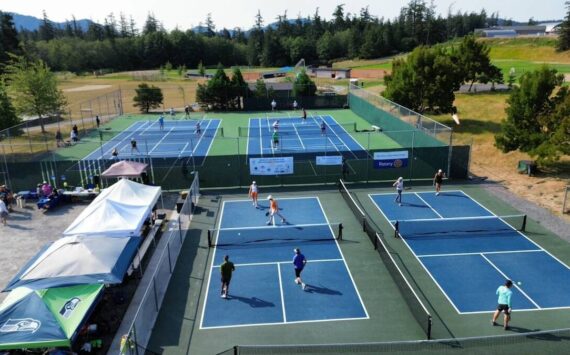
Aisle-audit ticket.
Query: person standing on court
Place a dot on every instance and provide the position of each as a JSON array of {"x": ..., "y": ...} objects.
[
  {"x": 134, "y": 146},
  {"x": 323, "y": 128},
  {"x": 275, "y": 139},
  {"x": 274, "y": 210},
  {"x": 299, "y": 262},
  {"x": 273, "y": 105},
  {"x": 438, "y": 180},
  {"x": 198, "y": 128},
  {"x": 344, "y": 168},
  {"x": 504, "y": 292},
  {"x": 97, "y": 121},
  {"x": 161, "y": 122},
  {"x": 226, "y": 269},
  {"x": 399, "y": 188},
  {"x": 304, "y": 115},
  {"x": 253, "y": 190},
  {"x": 115, "y": 154}
]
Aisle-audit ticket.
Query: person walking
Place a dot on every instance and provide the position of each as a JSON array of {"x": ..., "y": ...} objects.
[
  {"x": 3, "y": 211},
  {"x": 299, "y": 262},
  {"x": 59, "y": 139},
  {"x": 253, "y": 191},
  {"x": 504, "y": 292},
  {"x": 161, "y": 122},
  {"x": 304, "y": 115},
  {"x": 134, "y": 146},
  {"x": 323, "y": 128},
  {"x": 273, "y": 105},
  {"x": 438, "y": 180},
  {"x": 226, "y": 269},
  {"x": 399, "y": 187},
  {"x": 97, "y": 121},
  {"x": 274, "y": 210},
  {"x": 275, "y": 139},
  {"x": 187, "y": 111}
]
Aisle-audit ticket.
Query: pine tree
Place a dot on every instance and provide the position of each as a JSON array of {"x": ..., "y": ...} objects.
[{"x": 563, "y": 43}]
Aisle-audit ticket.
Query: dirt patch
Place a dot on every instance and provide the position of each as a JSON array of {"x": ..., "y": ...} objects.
[
  {"x": 87, "y": 88},
  {"x": 368, "y": 73}
]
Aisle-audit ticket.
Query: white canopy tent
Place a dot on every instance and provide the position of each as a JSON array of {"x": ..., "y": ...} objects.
[{"x": 118, "y": 211}]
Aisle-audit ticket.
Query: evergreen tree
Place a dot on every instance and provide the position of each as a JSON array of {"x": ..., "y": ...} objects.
[
  {"x": 9, "y": 42},
  {"x": 8, "y": 117},
  {"x": 147, "y": 97},
  {"x": 239, "y": 88},
  {"x": 303, "y": 85},
  {"x": 217, "y": 92},
  {"x": 563, "y": 43},
  {"x": 46, "y": 31},
  {"x": 531, "y": 99}
]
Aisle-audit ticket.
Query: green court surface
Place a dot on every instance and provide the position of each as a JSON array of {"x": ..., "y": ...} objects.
[{"x": 177, "y": 329}]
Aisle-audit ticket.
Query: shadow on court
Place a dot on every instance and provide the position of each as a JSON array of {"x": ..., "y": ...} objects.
[
  {"x": 322, "y": 290},
  {"x": 253, "y": 302}
]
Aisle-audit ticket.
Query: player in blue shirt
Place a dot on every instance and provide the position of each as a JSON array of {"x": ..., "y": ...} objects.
[{"x": 299, "y": 261}]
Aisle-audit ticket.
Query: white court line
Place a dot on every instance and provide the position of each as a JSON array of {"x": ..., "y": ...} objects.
[
  {"x": 340, "y": 139},
  {"x": 249, "y": 129},
  {"x": 281, "y": 293},
  {"x": 282, "y": 323},
  {"x": 344, "y": 261},
  {"x": 519, "y": 310},
  {"x": 122, "y": 140},
  {"x": 409, "y": 193},
  {"x": 288, "y": 226},
  {"x": 427, "y": 204},
  {"x": 260, "y": 136},
  {"x": 519, "y": 232},
  {"x": 182, "y": 150},
  {"x": 486, "y": 252},
  {"x": 417, "y": 258},
  {"x": 160, "y": 141},
  {"x": 205, "y": 300},
  {"x": 212, "y": 141},
  {"x": 281, "y": 198},
  {"x": 299, "y": 137},
  {"x": 201, "y": 136},
  {"x": 281, "y": 262},
  {"x": 508, "y": 278},
  {"x": 341, "y": 127}
]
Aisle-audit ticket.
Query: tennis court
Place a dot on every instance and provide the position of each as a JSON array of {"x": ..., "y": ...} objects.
[
  {"x": 262, "y": 289},
  {"x": 177, "y": 139},
  {"x": 469, "y": 251},
  {"x": 299, "y": 136}
]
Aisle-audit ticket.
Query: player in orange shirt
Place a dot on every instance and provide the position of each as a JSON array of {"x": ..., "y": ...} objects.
[{"x": 273, "y": 210}]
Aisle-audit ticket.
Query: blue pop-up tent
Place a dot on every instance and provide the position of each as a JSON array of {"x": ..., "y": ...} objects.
[
  {"x": 77, "y": 260},
  {"x": 31, "y": 319}
]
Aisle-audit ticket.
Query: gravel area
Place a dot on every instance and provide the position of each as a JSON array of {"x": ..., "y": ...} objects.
[{"x": 549, "y": 221}]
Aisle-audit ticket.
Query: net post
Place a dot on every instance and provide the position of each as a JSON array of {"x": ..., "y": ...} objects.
[
  {"x": 430, "y": 323},
  {"x": 209, "y": 238},
  {"x": 396, "y": 229},
  {"x": 523, "y": 227},
  {"x": 340, "y": 228}
]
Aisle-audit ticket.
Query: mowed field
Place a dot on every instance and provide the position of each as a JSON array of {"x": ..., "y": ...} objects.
[{"x": 480, "y": 113}]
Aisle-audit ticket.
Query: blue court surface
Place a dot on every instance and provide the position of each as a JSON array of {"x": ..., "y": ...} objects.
[
  {"x": 177, "y": 139},
  {"x": 262, "y": 289},
  {"x": 468, "y": 251},
  {"x": 298, "y": 136}
]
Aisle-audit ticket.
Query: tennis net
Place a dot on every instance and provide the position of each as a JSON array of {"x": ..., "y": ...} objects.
[
  {"x": 421, "y": 228},
  {"x": 284, "y": 234},
  {"x": 416, "y": 306},
  {"x": 155, "y": 134},
  {"x": 297, "y": 129}
]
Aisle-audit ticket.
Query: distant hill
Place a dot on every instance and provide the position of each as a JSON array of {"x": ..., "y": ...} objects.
[{"x": 32, "y": 23}]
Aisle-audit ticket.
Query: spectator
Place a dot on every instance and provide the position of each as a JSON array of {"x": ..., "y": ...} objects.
[
  {"x": 46, "y": 189},
  {"x": 59, "y": 139},
  {"x": 115, "y": 154},
  {"x": 3, "y": 211},
  {"x": 73, "y": 136},
  {"x": 97, "y": 121}
]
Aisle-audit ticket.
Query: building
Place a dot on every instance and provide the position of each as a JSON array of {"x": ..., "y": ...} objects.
[
  {"x": 511, "y": 31},
  {"x": 552, "y": 27},
  {"x": 331, "y": 73}
]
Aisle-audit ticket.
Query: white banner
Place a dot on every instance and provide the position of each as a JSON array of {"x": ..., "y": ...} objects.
[
  {"x": 271, "y": 166},
  {"x": 329, "y": 160},
  {"x": 401, "y": 154}
]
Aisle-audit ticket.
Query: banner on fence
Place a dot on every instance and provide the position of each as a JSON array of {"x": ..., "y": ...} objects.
[
  {"x": 329, "y": 160},
  {"x": 390, "y": 160},
  {"x": 271, "y": 166}
]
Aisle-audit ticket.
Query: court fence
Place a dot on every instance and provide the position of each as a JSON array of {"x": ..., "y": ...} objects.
[
  {"x": 538, "y": 342},
  {"x": 29, "y": 139},
  {"x": 140, "y": 329}
]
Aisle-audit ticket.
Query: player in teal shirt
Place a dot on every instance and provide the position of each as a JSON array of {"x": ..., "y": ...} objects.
[{"x": 504, "y": 293}]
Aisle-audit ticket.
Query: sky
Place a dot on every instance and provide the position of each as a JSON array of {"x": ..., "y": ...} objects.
[{"x": 241, "y": 13}]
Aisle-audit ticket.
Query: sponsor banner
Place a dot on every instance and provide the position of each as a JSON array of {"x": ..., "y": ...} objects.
[
  {"x": 271, "y": 166},
  {"x": 329, "y": 160},
  {"x": 390, "y": 160}
]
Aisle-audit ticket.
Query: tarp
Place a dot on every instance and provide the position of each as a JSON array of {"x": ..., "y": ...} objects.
[
  {"x": 32, "y": 319},
  {"x": 131, "y": 193},
  {"x": 77, "y": 260},
  {"x": 109, "y": 218},
  {"x": 125, "y": 168}
]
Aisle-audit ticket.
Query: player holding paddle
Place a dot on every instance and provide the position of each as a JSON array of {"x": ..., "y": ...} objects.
[
  {"x": 504, "y": 293},
  {"x": 273, "y": 210},
  {"x": 253, "y": 190}
]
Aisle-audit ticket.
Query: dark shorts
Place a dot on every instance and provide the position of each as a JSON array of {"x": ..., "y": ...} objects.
[
  {"x": 3, "y": 214},
  {"x": 503, "y": 308},
  {"x": 276, "y": 141},
  {"x": 298, "y": 272},
  {"x": 226, "y": 280}
]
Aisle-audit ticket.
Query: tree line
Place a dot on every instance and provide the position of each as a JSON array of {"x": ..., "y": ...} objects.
[{"x": 118, "y": 44}]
